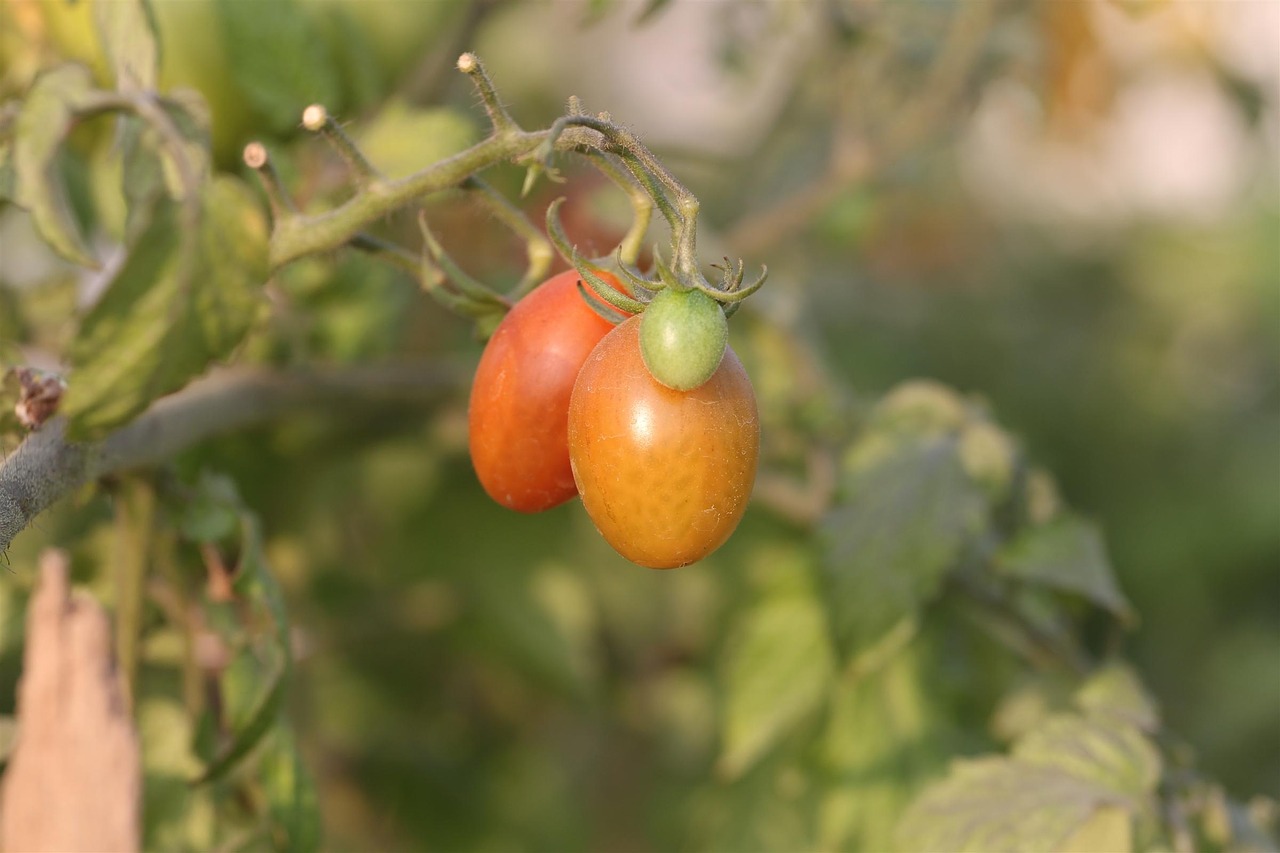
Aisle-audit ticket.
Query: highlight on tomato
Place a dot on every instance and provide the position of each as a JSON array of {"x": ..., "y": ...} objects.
[
  {"x": 665, "y": 475},
  {"x": 519, "y": 407}
]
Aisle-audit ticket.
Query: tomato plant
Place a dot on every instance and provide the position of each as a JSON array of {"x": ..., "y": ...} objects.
[
  {"x": 519, "y": 408},
  {"x": 239, "y": 422},
  {"x": 664, "y": 474}
]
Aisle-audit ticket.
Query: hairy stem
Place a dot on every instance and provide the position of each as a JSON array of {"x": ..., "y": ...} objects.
[
  {"x": 317, "y": 119},
  {"x": 537, "y": 248},
  {"x": 641, "y": 207},
  {"x": 681, "y": 207},
  {"x": 297, "y": 235}
]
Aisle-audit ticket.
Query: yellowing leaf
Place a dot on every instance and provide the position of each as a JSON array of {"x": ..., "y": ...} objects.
[
  {"x": 1109, "y": 830},
  {"x": 180, "y": 301},
  {"x": 1115, "y": 689},
  {"x": 1041, "y": 797}
]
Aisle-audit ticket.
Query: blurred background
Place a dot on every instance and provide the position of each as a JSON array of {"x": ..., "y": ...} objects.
[{"x": 1070, "y": 210}]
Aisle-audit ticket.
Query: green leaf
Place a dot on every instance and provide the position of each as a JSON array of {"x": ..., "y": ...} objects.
[
  {"x": 517, "y": 626},
  {"x": 277, "y": 59},
  {"x": 254, "y": 683},
  {"x": 141, "y": 175},
  {"x": 770, "y": 808},
  {"x": 189, "y": 112},
  {"x": 291, "y": 794},
  {"x": 118, "y": 355},
  {"x": 154, "y": 164},
  {"x": 13, "y": 327},
  {"x": 883, "y": 741},
  {"x": 45, "y": 119},
  {"x": 921, "y": 407},
  {"x": 127, "y": 29},
  {"x": 1045, "y": 794},
  {"x": 182, "y": 300},
  {"x": 213, "y": 513},
  {"x": 255, "y": 724},
  {"x": 907, "y": 510},
  {"x": 777, "y": 669},
  {"x": 1067, "y": 554},
  {"x": 8, "y": 179},
  {"x": 255, "y": 583},
  {"x": 175, "y": 817}
]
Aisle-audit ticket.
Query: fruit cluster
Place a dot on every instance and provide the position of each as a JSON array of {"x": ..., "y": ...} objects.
[{"x": 564, "y": 403}]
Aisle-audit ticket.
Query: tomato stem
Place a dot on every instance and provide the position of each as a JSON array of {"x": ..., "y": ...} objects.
[
  {"x": 589, "y": 271},
  {"x": 638, "y": 159},
  {"x": 537, "y": 248},
  {"x": 614, "y": 151},
  {"x": 641, "y": 206},
  {"x": 317, "y": 119},
  {"x": 473, "y": 298},
  {"x": 503, "y": 124},
  {"x": 257, "y": 158}
]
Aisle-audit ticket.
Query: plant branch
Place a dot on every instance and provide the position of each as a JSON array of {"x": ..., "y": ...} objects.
[
  {"x": 503, "y": 124},
  {"x": 317, "y": 119},
  {"x": 297, "y": 235},
  {"x": 641, "y": 207},
  {"x": 46, "y": 466},
  {"x": 537, "y": 247}
]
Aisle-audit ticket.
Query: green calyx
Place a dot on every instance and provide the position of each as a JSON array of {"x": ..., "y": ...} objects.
[{"x": 683, "y": 336}]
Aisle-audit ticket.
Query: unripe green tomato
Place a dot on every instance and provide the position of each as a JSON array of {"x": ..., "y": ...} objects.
[{"x": 683, "y": 335}]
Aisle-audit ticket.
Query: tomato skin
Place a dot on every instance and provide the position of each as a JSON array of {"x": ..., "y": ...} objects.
[
  {"x": 519, "y": 408},
  {"x": 664, "y": 474}
]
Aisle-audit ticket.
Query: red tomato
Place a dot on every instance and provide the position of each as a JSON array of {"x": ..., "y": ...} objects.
[
  {"x": 664, "y": 474},
  {"x": 519, "y": 410}
]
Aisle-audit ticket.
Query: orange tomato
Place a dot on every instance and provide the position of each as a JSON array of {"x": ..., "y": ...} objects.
[{"x": 664, "y": 474}]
